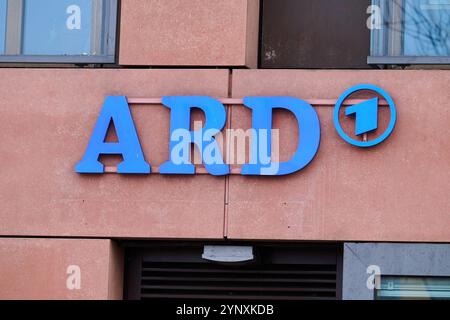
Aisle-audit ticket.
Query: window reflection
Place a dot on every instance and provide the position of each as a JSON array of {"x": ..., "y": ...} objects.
[
  {"x": 424, "y": 288},
  {"x": 58, "y": 27},
  {"x": 412, "y": 28},
  {"x": 2, "y": 25},
  {"x": 427, "y": 28}
]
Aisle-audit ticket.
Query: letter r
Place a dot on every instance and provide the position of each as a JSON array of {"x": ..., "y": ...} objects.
[{"x": 180, "y": 115}]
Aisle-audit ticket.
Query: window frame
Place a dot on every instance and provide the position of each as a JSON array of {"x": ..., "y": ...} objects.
[
  {"x": 13, "y": 37},
  {"x": 385, "y": 35}
]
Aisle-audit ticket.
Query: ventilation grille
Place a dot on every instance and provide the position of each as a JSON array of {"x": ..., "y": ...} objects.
[{"x": 182, "y": 280}]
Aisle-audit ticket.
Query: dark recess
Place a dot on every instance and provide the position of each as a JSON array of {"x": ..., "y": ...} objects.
[{"x": 314, "y": 34}]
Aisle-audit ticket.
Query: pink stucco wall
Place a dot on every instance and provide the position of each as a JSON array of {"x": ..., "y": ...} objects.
[
  {"x": 38, "y": 269},
  {"x": 48, "y": 116},
  {"x": 189, "y": 33},
  {"x": 397, "y": 191}
]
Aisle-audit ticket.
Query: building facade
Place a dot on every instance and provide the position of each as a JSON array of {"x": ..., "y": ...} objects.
[{"x": 354, "y": 221}]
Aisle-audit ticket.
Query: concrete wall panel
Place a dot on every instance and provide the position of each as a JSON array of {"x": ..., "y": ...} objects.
[
  {"x": 47, "y": 119},
  {"x": 396, "y": 191},
  {"x": 392, "y": 259},
  {"x": 189, "y": 33},
  {"x": 38, "y": 269}
]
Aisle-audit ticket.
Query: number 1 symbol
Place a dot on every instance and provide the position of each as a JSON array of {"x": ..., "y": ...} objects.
[{"x": 366, "y": 115}]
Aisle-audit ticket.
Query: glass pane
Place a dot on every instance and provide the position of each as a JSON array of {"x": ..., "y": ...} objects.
[
  {"x": 59, "y": 27},
  {"x": 427, "y": 28},
  {"x": 414, "y": 288},
  {"x": 2, "y": 25},
  {"x": 411, "y": 28}
]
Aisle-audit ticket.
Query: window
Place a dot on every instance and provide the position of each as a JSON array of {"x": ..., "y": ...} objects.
[
  {"x": 2, "y": 25},
  {"x": 66, "y": 31},
  {"x": 414, "y": 288},
  {"x": 410, "y": 31},
  {"x": 315, "y": 34}
]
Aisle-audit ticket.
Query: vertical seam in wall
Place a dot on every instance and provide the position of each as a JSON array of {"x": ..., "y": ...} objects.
[
  {"x": 250, "y": 55},
  {"x": 109, "y": 269},
  {"x": 247, "y": 28},
  {"x": 260, "y": 35},
  {"x": 117, "y": 33},
  {"x": 227, "y": 160}
]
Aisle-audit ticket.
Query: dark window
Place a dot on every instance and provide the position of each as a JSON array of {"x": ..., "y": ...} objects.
[
  {"x": 315, "y": 34},
  {"x": 277, "y": 272}
]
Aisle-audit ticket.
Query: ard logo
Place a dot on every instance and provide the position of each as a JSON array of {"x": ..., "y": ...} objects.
[{"x": 207, "y": 137}]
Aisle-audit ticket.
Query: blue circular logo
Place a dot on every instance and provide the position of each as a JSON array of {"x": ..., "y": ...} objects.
[{"x": 379, "y": 139}]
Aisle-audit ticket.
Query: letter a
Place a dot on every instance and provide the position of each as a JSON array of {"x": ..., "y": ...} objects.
[{"x": 115, "y": 111}]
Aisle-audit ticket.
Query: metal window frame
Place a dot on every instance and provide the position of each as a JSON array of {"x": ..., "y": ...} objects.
[
  {"x": 394, "y": 53},
  {"x": 106, "y": 26},
  {"x": 425, "y": 60}
]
